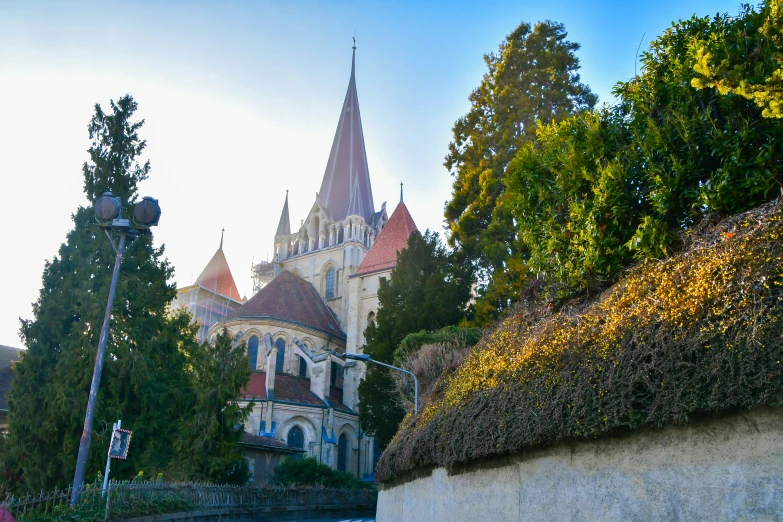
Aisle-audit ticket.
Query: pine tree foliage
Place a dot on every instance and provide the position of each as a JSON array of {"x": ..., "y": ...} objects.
[
  {"x": 208, "y": 439},
  {"x": 428, "y": 290},
  {"x": 532, "y": 80},
  {"x": 143, "y": 376}
]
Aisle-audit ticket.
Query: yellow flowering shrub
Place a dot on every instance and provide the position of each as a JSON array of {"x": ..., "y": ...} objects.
[{"x": 701, "y": 331}]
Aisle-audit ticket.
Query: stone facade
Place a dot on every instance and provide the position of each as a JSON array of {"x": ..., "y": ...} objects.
[
  {"x": 728, "y": 468},
  {"x": 312, "y": 303}
]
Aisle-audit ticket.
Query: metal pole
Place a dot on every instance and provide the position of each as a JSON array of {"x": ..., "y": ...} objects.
[
  {"x": 415, "y": 380},
  {"x": 84, "y": 445},
  {"x": 115, "y": 426}
]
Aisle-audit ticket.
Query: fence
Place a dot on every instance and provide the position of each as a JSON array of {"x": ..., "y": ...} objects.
[{"x": 137, "y": 499}]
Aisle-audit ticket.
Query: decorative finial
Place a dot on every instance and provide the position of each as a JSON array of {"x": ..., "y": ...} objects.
[
  {"x": 354, "y": 40},
  {"x": 221, "y": 238},
  {"x": 400, "y": 191}
]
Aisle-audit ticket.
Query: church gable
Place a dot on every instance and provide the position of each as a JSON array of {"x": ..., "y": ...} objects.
[{"x": 393, "y": 238}]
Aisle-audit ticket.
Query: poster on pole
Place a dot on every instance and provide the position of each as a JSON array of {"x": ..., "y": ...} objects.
[{"x": 120, "y": 442}]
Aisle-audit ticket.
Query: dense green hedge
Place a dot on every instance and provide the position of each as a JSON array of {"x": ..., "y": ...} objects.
[
  {"x": 701, "y": 331},
  {"x": 309, "y": 472},
  {"x": 450, "y": 335}
]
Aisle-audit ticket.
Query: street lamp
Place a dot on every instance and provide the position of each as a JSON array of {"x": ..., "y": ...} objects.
[
  {"x": 108, "y": 214},
  {"x": 366, "y": 358}
]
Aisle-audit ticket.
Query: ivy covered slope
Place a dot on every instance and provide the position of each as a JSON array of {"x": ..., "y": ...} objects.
[{"x": 701, "y": 331}]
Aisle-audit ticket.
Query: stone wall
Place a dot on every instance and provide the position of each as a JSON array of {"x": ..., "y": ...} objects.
[{"x": 728, "y": 468}]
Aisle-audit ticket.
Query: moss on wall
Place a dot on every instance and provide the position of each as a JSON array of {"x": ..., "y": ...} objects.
[{"x": 701, "y": 331}]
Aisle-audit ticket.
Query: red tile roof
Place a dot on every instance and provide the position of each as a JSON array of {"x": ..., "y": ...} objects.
[
  {"x": 295, "y": 389},
  {"x": 292, "y": 299},
  {"x": 217, "y": 277},
  {"x": 393, "y": 238},
  {"x": 289, "y": 388},
  {"x": 256, "y": 387},
  {"x": 257, "y": 441}
]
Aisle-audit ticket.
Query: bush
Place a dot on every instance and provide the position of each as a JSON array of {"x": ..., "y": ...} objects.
[
  {"x": 699, "y": 332},
  {"x": 309, "y": 472},
  {"x": 429, "y": 355}
]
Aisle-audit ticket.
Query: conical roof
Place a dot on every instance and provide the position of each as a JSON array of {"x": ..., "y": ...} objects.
[
  {"x": 217, "y": 276},
  {"x": 284, "y": 226},
  {"x": 345, "y": 189},
  {"x": 290, "y": 298},
  {"x": 393, "y": 238}
]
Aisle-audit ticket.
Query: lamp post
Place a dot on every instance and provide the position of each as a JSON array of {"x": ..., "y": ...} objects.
[
  {"x": 366, "y": 358},
  {"x": 108, "y": 214}
]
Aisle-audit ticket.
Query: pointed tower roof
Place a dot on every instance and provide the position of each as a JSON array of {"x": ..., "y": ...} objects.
[
  {"x": 217, "y": 277},
  {"x": 284, "y": 227},
  {"x": 345, "y": 189},
  {"x": 393, "y": 238},
  {"x": 291, "y": 299}
]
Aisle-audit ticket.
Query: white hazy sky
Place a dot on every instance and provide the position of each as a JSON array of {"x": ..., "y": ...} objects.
[{"x": 241, "y": 101}]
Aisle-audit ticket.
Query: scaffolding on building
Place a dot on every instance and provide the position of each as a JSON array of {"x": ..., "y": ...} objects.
[{"x": 263, "y": 273}]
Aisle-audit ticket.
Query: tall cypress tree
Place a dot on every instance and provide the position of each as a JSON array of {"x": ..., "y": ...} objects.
[
  {"x": 144, "y": 368},
  {"x": 429, "y": 289},
  {"x": 533, "y": 79},
  {"x": 207, "y": 446}
]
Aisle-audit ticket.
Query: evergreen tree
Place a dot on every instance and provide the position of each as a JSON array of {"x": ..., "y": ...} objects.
[
  {"x": 533, "y": 79},
  {"x": 429, "y": 289},
  {"x": 144, "y": 369},
  {"x": 208, "y": 439}
]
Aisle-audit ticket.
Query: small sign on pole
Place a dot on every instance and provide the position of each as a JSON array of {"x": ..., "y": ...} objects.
[{"x": 120, "y": 442}]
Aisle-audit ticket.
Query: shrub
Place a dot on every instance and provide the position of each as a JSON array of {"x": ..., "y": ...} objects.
[
  {"x": 309, "y": 472},
  {"x": 428, "y": 355},
  {"x": 699, "y": 332}
]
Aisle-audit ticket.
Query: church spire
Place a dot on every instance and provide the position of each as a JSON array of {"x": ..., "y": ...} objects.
[
  {"x": 284, "y": 227},
  {"x": 345, "y": 189},
  {"x": 222, "y": 231}
]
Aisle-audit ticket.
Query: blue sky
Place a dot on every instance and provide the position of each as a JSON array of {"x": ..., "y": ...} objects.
[{"x": 241, "y": 101}]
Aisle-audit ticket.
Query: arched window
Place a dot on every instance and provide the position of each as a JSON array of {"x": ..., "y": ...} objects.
[
  {"x": 302, "y": 367},
  {"x": 370, "y": 318},
  {"x": 342, "y": 453},
  {"x": 295, "y": 438},
  {"x": 280, "y": 344},
  {"x": 252, "y": 351},
  {"x": 330, "y": 283},
  {"x": 340, "y": 235}
]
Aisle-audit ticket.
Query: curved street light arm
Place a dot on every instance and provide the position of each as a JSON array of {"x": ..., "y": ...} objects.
[{"x": 415, "y": 381}]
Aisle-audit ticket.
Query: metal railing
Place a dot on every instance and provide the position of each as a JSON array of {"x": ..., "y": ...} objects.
[{"x": 137, "y": 499}]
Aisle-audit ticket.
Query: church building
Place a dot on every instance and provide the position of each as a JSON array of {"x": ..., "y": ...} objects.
[{"x": 318, "y": 295}]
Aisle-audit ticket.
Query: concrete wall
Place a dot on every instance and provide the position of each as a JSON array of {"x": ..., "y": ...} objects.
[{"x": 720, "y": 469}]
